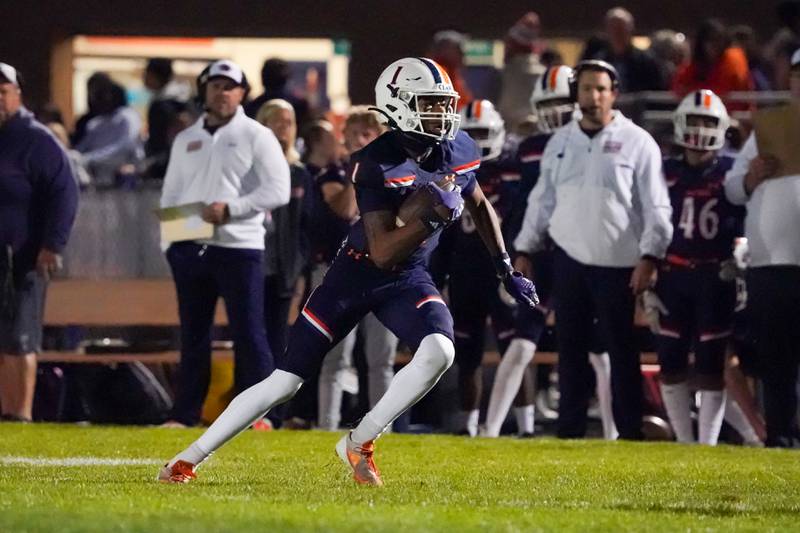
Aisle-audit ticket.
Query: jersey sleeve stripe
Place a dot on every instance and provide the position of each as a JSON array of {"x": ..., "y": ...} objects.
[
  {"x": 466, "y": 167},
  {"x": 403, "y": 181},
  {"x": 530, "y": 158}
]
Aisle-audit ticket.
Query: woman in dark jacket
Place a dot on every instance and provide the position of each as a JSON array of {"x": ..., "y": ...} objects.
[{"x": 287, "y": 242}]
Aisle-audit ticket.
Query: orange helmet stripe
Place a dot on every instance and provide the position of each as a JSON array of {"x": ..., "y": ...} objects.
[
  {"x": 443, "y": 73},
  {"x": 476, "y": 109},
  {"x": 707, "y": 100},
  {"x": 553, "y": 75}
]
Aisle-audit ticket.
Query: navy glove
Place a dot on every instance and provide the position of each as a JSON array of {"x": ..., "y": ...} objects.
[
  {"x": 521, "y": 288},
  {"x": 518, "y": 286},
  {"x": 451, "y": 199}
]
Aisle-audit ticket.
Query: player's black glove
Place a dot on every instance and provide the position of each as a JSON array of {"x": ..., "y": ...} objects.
[{"x": 518, "y": 286}]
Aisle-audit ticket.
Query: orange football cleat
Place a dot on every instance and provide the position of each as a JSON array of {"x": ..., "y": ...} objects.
[
  {"x": 359, "y": 459},
  {"x": 180, "y": 472}
]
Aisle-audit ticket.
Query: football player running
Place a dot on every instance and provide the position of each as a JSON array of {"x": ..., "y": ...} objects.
[
  {"x": 692, "y": 306},
  {"x": 474, "y": 291},
  {"x": 382, "y": 267}
]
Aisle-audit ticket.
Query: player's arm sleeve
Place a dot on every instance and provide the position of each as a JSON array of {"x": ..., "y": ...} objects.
[
  {"x": 473, "y": 162},
  {"x": 654, "y": 201},
  {"x": 734, "y": 179},
  {"x": 529, "y": 173},
  {"x": 540, "y": 206},
  {"x": 371, "y": 194},
  {"x": 272, "y": 176},
  {"x": 173, "y": 179},
  {"x": 58, "y": 187}
]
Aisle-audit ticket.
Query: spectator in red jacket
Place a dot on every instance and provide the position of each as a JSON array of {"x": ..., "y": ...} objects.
[{"x": 715, "y": 64}]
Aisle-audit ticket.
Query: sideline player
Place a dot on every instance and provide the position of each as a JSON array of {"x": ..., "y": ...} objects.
[
  {"x": 382, "y": 266},
  {"x": 696, "y": 304},
  {"x": 474, "y": 291}
]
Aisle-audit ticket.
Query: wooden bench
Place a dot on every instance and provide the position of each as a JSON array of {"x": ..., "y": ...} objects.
[
  {"x": 152, "y": 302},
  {"x": 131, "y": 302}
]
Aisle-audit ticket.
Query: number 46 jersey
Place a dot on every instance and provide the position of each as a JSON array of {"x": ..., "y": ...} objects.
[{"x": 705, "y": 222}]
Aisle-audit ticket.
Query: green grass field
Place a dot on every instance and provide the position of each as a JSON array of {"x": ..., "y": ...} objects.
[{"x": 284, "y": 481}]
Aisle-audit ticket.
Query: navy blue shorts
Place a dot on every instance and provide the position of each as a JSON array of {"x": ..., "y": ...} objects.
[
  {"x": 21, "y": 324},
  {"x": 474, "y": 297},
  {"x": 406, "y": 302},
  {"x": 531, "y": 323},
  {"x": 700, "y": 317}
]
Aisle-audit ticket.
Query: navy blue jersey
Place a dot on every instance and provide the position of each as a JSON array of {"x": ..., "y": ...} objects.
[
  {"x": 705, "y": 223},
  {"x": 328, "y": 230},
  {"x": 384, "y": 176},
  {"x": 529, "y": 158},
  {"x": 499, "y": 179}
]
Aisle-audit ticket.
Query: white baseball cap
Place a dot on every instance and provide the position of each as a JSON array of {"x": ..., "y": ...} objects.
[
  {"x": 9, "y": 73},
  {"x": 226, "y": 69}
]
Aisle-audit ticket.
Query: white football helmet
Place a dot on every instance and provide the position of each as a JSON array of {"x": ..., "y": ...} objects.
[
  {"x": 702, "y": 103},
  {"x": 397, "y": 95},
  {"x": 486, "y": 127},
  {"x": 552, "y": 99}
]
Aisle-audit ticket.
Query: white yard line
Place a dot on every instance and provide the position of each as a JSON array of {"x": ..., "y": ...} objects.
[{"x": 74, "y": 461}]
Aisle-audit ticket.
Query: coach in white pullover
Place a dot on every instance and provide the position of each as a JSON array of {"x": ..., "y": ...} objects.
[
  {"x": 235, "y": 166},
  {"x": 772, "y": 228},
  {"x": 603, "y": 201}
]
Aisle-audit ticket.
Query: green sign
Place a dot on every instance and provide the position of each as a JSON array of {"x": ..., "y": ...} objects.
[
  {"x": 341, "y": 47},
  {"x": 480, "y": 49}
]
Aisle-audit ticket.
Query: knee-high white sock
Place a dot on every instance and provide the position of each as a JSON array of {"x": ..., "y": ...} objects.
[
  {"x": 678, "y": 402},
  {"x": 524, "y": 415},
  {"x": 712, "y": 411},
  {"x": 329, "y": 387},
  {"x": 245, "y": 409},
  {"x": 602, "y": 370},
  {"x": 380, "y": 347},
  {"x": 329, "y": 395},
  {"x": 434, "y": 355},
  {"x": 736, "y": 418},
  {"x": 507, "y": 380},
  {"x": 469, "y": 421}
]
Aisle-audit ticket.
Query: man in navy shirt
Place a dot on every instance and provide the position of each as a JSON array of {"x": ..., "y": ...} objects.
[
  {"x": 38, "y": 201},
  {"x": 382, "y": 268}
]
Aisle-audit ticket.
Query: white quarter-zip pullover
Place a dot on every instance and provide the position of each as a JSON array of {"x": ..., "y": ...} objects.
[
  {"x": 603, "y": 199},
  {"x": 772, "y": 226},
  {"x": 241, "y": 164}
]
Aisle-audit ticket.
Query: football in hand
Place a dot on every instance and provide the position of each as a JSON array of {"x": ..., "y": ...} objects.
[{"x": 423, "y": 200}]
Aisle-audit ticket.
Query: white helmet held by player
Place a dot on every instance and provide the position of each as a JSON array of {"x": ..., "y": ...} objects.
[
  {"x": 401, "y": 86},
  {"x": 486, "y": 127},
  {"x": 702, "y": 104},
  {"x": 551, "y": 98}
]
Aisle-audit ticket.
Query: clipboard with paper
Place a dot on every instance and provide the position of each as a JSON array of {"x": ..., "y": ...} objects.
[
  {"x": 184, "y": 223},
  {"x": 777, "y": 131}
]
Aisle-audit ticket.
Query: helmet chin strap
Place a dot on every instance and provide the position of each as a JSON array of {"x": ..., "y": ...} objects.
[
  {"x": 392, "y": 122},
  {"x": 418, "y": 146}
]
